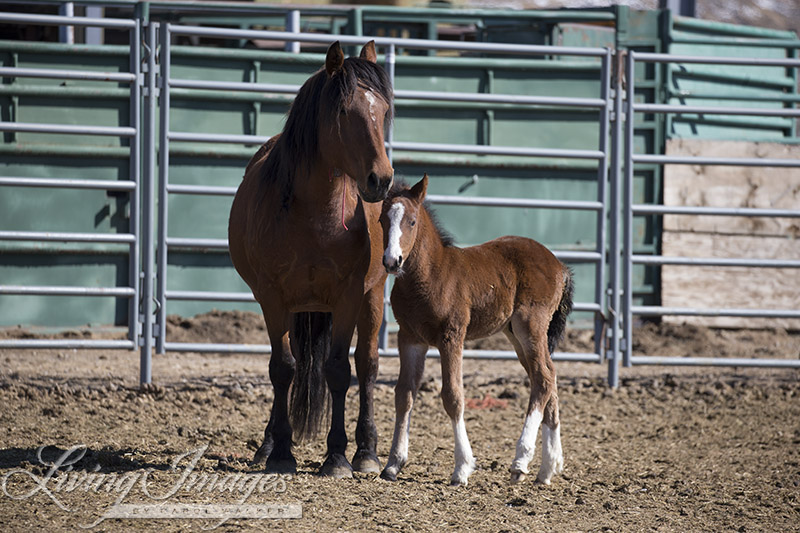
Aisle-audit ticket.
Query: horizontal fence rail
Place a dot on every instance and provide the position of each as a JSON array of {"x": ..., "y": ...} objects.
[
  {"x": 131, "y": 132},
  {"x": 148, "y": 86},
  {"x": 167, "y": 136}
]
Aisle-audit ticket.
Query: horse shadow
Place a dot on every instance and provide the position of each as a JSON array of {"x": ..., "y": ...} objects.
[{"x": 76, "y": 458}]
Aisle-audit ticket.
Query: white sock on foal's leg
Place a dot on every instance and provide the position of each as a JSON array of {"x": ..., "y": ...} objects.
[
  {"x": 465, "y": 462},
  {"x": 399, "y": 452},
  {"x": 552, "y": 456},
  {"x": 526, "y": 446}
]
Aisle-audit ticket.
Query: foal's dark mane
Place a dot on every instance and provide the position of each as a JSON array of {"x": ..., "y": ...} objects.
[
  {"x": 298, "y": 144},
  {"x": 398, "y": 188}
]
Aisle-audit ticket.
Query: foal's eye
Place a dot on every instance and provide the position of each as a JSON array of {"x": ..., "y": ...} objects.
[{"x": 413, "y": 223}]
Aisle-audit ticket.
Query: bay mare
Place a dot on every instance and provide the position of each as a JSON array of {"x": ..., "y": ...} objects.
[
  {"x": 444, "y": 295},
  {"x": 305, "y": 236}
]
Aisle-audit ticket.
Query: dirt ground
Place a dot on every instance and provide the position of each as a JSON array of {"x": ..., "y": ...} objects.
[{"x": 673, "y": 449}]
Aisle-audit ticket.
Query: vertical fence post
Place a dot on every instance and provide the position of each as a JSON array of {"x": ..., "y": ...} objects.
[
  {"x": 134, "y": 170},
  {"x": 293, "y": 26},
  {"x": 627, "y": 278},
  {"x": 383, "y": 335},
  {"x": 66, "y": 32},
  {"x": 148, "y": 198},
  {"x": 602, "y": 214},
  {"x": 614, "y": 233},
  {"x": 163, "y": 182}
]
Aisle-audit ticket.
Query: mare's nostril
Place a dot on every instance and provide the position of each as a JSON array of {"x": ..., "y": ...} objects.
[{"x": 372, "y": 181}]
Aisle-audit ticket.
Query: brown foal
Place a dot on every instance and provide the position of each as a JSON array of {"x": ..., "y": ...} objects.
[{"x": 444, "y": 295}]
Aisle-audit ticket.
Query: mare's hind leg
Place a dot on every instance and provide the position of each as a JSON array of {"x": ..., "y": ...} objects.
[
  {"x": 529, "y": 337},
  {"x": 412, "y": 367},
  {"x": 366, "y": 357},
  {"x": 453, "y": 400},
  {"x": 276, "y": 448}
]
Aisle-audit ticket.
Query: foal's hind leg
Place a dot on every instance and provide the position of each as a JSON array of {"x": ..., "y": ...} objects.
[
  {"x": 552, "y": 455},
  {"x": 412, "y": 366},
  {"x": 530, "y": 342}
]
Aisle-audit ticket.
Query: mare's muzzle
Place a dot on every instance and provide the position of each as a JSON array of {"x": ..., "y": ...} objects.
[{"x": 377, "y": 188}]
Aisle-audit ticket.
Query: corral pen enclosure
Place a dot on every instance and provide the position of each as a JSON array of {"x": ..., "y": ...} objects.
[{"x": 654, "y": 154}]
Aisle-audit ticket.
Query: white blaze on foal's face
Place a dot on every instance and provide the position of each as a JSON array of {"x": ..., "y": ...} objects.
[{"x": 393, "y": 254}]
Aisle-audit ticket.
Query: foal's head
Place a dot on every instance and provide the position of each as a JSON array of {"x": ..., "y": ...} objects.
[
  {"x": 357, "y": 103},
  {"x": 399, "y": 220}
]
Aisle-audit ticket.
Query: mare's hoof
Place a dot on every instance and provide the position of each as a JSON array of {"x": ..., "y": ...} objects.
[
  {"x": 262, "y": 453},
  {"x": 366, "y": 463},
  {"x": 337, "y": 467},
  {"x": 281, "y": 465}
]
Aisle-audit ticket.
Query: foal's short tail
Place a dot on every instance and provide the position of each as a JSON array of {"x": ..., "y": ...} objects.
[
  {"x": 311, "y": 344},
  {"x": 555, "y": 332}
]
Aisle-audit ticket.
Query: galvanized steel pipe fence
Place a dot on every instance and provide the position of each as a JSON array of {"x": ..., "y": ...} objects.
[
  {"x": 149, "y": 186},
  {"x": 388, "y": 45},
  {"x": 630, "y": 209}
]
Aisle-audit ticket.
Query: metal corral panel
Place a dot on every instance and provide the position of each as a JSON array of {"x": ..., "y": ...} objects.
[{"x": 724, "y": 86}]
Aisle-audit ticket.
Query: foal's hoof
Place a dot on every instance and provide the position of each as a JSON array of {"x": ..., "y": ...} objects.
[
  {"x": 366, "y": 463},
  {"x": 517, "y": 477},
  {"x": 389, "y": 474},
  {"x": 337, "y": 467}
]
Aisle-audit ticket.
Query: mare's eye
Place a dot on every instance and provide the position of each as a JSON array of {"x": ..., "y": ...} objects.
[{"x": 413, "y": 223}]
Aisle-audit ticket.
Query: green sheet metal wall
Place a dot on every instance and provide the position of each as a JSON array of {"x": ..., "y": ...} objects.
[{"x": 39, "y": 155}]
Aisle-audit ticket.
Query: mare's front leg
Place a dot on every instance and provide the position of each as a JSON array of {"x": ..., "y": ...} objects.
[
  {"x": 276, "y": 448},
  {"x": 412, "y": 367},
  {"x": 453, "y": 399},
  {"x": 366, "y": 357},
  {"x": 337, "y": 375}
]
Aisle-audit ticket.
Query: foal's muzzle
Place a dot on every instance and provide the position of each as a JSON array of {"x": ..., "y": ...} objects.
[{"x": 392, "y": 265}]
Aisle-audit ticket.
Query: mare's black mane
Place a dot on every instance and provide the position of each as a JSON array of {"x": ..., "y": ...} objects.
[{"x": 298, "y": 144}]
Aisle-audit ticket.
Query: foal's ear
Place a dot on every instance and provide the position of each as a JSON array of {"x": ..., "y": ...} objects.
[
  {"x": 335, "y": 59},
  {"x": 418, "y": 191},
  {"x": 368, "y": 52}
]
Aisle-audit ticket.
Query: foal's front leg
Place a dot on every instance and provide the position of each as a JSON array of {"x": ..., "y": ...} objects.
[
  {"x": 412, "y": 367},
  {"x": 453, "y": 399}
]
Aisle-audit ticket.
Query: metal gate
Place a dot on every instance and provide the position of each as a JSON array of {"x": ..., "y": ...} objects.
[{"x": 149, "y": 134}]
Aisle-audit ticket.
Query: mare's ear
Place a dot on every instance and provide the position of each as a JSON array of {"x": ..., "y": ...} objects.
[
  {"x": 418, "y": 191},
  {"x": 335, "y": 59},
  {"x": 368, "y": 52}
]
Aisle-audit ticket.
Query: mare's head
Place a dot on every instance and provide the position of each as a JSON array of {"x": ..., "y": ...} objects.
[
  {"x": 355, "y": 105},
  {"x": 401, "y": 210}
]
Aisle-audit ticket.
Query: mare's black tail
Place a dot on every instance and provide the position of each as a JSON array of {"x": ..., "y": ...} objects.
[
  {"x": 310, "y": 337},
  {"x": 558, "y": 323}
]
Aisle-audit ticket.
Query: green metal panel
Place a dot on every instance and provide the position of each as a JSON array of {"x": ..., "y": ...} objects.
[
  {"x": 37, "y": 155},
  {"x": 85, "y": 102},
  {"x": 721, "y": 86},
  {"x": 643, "y": 31}
]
